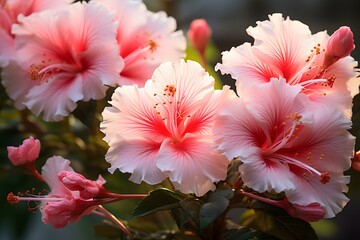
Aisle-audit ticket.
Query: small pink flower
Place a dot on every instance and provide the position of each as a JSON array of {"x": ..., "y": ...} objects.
[
  {"x": 340, "y": 45},
  {"x": 9, "y": 11},
  {"x": 65, "y": 55},
  {"x": 288, "y": 144},
  {"x": 199, "y": 34},
  {"x": 165, "y": 129},
  {"x": 145, "y": 39},
  {"x": 72, "y": 196},
  {"x": 284, "y": 48},
  {"x": 62, "y": 205},
  {"x": 26, "y": 153}
]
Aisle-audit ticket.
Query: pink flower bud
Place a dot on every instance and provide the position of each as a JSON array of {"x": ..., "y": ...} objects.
[
  {"x": 355, "y": 161},
  {"x": 77, "y": 182},
  {"x": 199, "y": 34},
  {"x": 340, "y": 45},
  {"x": 26, "y": 153},
  {"x": 310, "y": 213}
]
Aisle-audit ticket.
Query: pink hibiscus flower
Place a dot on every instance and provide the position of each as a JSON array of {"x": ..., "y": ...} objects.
[
  {"x": 288, "y": 144},
  {"x": 165, "y": 129},
  {"x": 287, "y": 49},
  {"x": 64, "y": 55},
  {"x": 146, "y": 39},
  {"x": 65, "y": 203},
  {"x": 9, "y": 11},
  {"x": 72, "y": 196}
]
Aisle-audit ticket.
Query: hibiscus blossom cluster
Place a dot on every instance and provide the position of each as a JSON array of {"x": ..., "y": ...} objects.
[
  {"x": 287, "y": 122},
  {"x": 289, "y": 126},
  {"x": 54, "y": 53}
]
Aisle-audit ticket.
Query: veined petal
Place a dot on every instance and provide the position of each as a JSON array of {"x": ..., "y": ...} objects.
[
  {"x": 67, "y": 62},
  {"x": 273, "y": 102},
  {"x": 326, "y": 144},
  {"x": 193, "y": 165},
  {"x": 284, "y": 48},
  {"x": 263, "y": 174},
  {"x": 236, "y": 131},
  {"x": 9, "y": 12},
  {"x": 330, "y": 195},
  {"x": 136, "y": 156},
  {"x": 131, "y": 74},
  {"x": 169, "y": 44},
  {"x": 50, "y": 172},
  {"x": 243, "y": 64},
  {"x": 55, "y": 99},
  {"x": 276, "y": 39},
  {"x": 40, "y": 5},
  {"x": 202, "y": 121},
  {"x": 190, "y": 85},
  {"x": 146, "y": 39},
  {"x": 353, "y": 85},
  {"x": 131, "y": 16},
  {"x": 132, "y": 116},
  {"x": 7, "y": 51},
  {"x": 344, "y": 71},
  {"x": 13, "y": 77}
]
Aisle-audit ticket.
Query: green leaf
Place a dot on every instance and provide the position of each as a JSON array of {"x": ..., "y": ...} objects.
[
  {"x": 160, "y": 199},
  {"x": 217, "y": 203},
  {"x": 187, "y": 214},
  {"x": 280, "y": 224}
]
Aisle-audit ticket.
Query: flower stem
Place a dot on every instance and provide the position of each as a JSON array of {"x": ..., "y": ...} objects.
[
  {"x": 32, "y": 170},
  {"x": 114, "y": 219}
]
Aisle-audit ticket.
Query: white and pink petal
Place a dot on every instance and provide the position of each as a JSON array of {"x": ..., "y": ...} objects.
[
  {"x": 53, "y": 166},
  {"x": 329, "y": 195},
  {"x": 138, "y": 157},
  {"x": 265, "y": 174},
  {"x": 193, "y": 165},
  {"x": 132, "y": 115},
  {"x": 55, "y": 99}
]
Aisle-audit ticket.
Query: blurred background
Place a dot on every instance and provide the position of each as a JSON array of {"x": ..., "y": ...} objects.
[{"x": 228, "y": 20}]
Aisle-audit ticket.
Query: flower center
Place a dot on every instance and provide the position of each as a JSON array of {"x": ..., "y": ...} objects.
[
  {"x": 48, "y": 69},
  {"x": 314, "y": 76},
  {"x": 171, "y": 110},
  {"x": 141, "y": 52},
  {"x": 281, "y": 134},
  {"x": 170, "y": 90},
  {"x": 153, "y": 45}
]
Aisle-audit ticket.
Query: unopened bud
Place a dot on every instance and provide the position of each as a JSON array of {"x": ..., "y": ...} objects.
[
  {"x": 355, "y": 161},
  {"x": 199, "y": 34},
  {"x": 340, "y": 45},
  {"x": 26, "y": 153},
  {"x": 310, "y": 213},
  {"x": 77, "y": 182}
]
